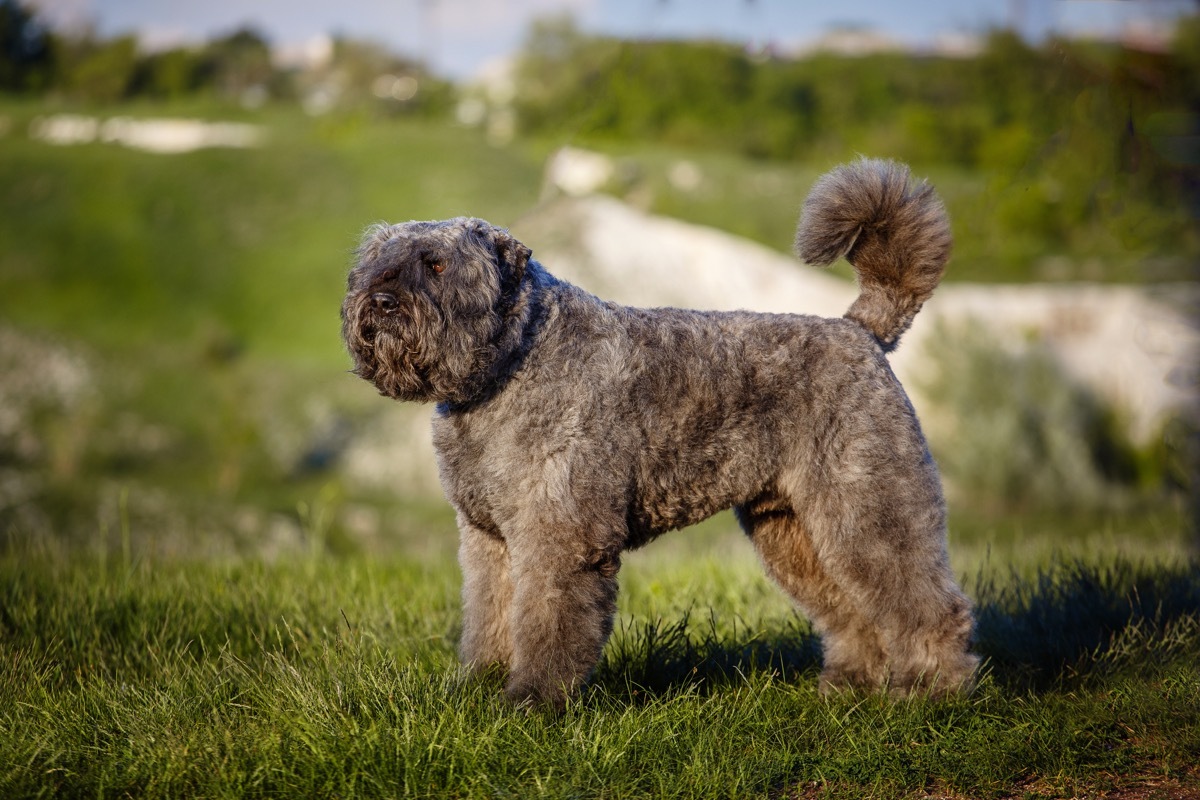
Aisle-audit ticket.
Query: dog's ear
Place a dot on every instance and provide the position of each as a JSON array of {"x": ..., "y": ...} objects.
[{"x": 512, "y": 256}]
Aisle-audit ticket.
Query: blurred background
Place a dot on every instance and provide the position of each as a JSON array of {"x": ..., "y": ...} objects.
[{"x": 182, "y": 185}]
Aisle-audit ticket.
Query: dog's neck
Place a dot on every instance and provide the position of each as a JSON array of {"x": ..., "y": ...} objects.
[{"x": 524, "y": 316}]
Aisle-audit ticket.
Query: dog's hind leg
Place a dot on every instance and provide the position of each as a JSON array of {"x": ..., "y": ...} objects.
[
  {"x": 487, "y": 597},
  {"x": 851, "y": 646},
  {"x": 883, "y": 538}
]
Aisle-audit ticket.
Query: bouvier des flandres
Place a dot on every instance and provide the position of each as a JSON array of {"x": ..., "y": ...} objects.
[{"x": 569, "y": 429}]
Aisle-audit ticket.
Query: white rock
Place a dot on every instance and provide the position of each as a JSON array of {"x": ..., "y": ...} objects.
[{"x": 578, "y": 172}]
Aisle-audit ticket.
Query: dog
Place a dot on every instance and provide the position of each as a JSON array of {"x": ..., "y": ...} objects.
[{"x": 569, "y": 429}]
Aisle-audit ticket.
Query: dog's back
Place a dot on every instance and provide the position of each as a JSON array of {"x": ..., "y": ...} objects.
[{"x": 681, "y": 414}]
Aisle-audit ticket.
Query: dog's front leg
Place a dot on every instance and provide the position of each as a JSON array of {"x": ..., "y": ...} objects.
[{"x": 564, "y": 600}]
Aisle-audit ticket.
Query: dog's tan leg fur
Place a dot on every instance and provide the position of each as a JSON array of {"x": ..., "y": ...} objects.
[{"x": 864, "y": 557}]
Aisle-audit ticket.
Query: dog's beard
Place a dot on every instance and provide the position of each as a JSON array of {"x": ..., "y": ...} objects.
[
  {"x": 394, "y": 353},
  {"x": 423, "y": 352}
]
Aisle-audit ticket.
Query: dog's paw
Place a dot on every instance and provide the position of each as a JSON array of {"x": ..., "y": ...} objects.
[{"x": 532, "y": 696}]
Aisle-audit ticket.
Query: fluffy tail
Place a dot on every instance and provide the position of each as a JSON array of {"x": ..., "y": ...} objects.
[{"x": 895, "y": 234}]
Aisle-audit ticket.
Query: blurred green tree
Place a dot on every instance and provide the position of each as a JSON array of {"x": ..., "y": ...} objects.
[
  {"x": 170, "y": 74},
  {"x": 239, "y": 63},
  {"x": 26, "y": 51},
  {"x": 101, "y": 71}
]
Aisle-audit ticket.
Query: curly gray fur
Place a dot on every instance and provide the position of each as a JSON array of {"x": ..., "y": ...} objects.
[
  {"x": 896, "y": 236},
  {"x": 569, "y": 429}
]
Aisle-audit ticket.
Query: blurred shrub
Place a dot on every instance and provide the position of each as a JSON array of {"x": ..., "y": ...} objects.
[{"x": 1012, "y": 432}]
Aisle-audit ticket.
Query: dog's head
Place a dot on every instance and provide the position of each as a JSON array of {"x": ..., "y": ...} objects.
[{"x": 432, "y": 309}]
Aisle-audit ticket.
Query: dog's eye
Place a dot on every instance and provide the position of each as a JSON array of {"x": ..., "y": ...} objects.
[{"x": 438, "y": 267}]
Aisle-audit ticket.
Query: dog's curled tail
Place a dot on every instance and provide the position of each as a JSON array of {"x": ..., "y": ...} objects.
[{"x": 894, "y": 233}]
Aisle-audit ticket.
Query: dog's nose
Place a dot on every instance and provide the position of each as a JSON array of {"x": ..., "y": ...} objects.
[{"x": 385, "y": 302}]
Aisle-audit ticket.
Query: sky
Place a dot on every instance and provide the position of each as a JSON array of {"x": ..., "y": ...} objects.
[{"x": 458, "y": 38}]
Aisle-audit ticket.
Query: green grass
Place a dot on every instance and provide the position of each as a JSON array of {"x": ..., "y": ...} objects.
[{"x": 337, "y": 678}]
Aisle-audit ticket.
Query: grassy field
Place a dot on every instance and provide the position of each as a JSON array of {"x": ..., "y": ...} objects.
[
  {"x": 187, "y": 609},
  {"x": 127, "y": 672},
  {"x": 336, "y": 678}
]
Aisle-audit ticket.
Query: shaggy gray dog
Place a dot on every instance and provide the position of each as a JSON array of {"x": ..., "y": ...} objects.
[{"x": 569, "y": 429}]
